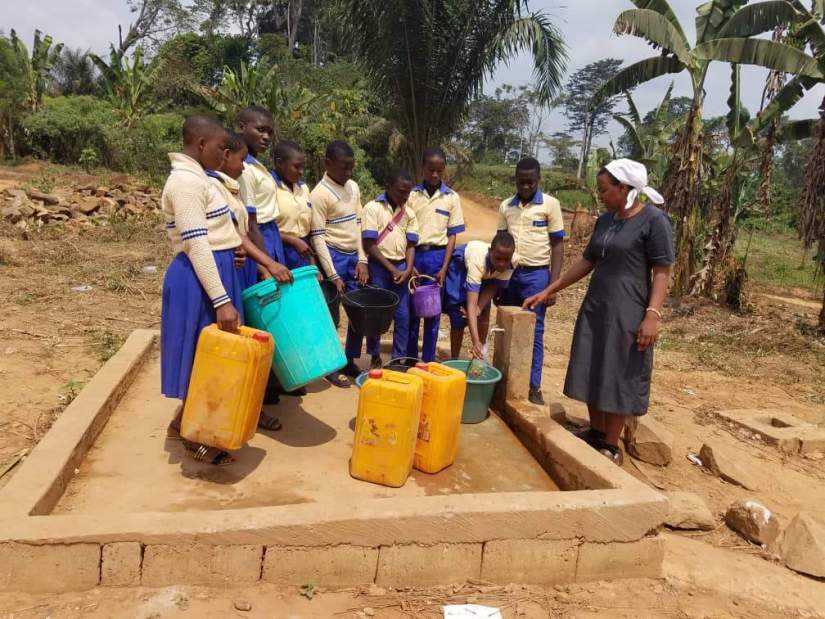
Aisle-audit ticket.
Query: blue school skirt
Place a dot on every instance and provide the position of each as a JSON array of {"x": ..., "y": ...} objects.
[
  {"x": 273, "y": 244},
  {"x": 294, "y": 260},
  {"x": 248, "y": 274},
  {"x": 185, "y": 311}
]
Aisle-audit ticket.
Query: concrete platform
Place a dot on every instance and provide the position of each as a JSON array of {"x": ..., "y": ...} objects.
[
  {"x": 104, "y": 500},
  {"x": 132, "y": 468}
]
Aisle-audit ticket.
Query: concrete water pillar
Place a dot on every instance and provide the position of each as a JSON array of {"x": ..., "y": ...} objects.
[{"x": 514, "y": 352}]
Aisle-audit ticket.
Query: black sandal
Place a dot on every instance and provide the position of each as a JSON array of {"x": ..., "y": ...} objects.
[
  {"x": 339, "y": 380},
  {"x": 592, "y": 437},
  {"x": 270, "y": 424},
  {"x": 612, "y": 453}
]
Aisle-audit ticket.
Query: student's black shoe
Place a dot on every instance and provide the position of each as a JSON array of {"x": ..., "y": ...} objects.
[
  {"x": 611, "y": 452},
  {"x": 535, "y": 396},
  {"x": 376, "y": 363},
  {"x": 351, "y": 370},
  {"x": 297, "y": 393}
]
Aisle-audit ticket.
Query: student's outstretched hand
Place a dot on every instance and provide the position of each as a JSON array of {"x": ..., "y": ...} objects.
[
  {"x": 362, "y": 273},
  {"x": 339, "y": 285},
  {"x": 477, "y": 352},
  {"x": 440, "y": 277},
  {"x": 281, "y": 274},
  {"x": 302, "y": 247},
  {"x": 227, "y": 317},
  {"x": 537, "y": 299}
]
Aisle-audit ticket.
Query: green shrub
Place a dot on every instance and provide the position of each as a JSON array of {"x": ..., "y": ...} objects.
[
  {"x": 142, "y": 149},
  {"x": 65, "y": 126}
]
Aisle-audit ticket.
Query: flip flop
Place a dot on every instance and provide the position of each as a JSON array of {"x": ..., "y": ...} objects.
[
  {"x": 339, "y": 380},
  {"x": 271, "y": 424},
  {"x": 210, "y": 455}
]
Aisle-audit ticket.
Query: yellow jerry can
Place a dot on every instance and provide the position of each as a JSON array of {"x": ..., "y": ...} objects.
[
  {"x": 226, "y": 391},
  {"x": 389, "y": 407},
  {"x": 441, "y": 406}
]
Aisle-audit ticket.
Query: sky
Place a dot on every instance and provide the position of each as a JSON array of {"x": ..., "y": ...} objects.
[{"x": 586, "y": 24}]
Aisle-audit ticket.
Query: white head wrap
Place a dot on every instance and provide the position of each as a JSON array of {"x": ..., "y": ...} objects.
[{"x": 634, "y": 175}]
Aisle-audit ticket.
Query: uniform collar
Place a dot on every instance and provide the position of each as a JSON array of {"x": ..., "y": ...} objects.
[
  {"x": 180, "y": 161},
  {"x": 383, "y": 198},
  {"x": 230, "y": 183},
  {"x": 443, "y": 188},
  {"x": 538, "y": 198},
  {"x": 281, "y": 183}
]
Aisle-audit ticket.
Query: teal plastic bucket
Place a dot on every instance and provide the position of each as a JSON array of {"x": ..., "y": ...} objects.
[
  {"x": 306, "y": 342},
  {"x": 479, "y": 390}
]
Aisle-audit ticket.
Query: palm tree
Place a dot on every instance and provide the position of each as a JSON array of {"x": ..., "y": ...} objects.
[
  {"x": 128, "y": 83},
  {"x": 428, "y": 59},
  {"x": 36, "y": 67},
  {"x": 249, "y": 85},
  {"x": 808, "y": 71},
  {"x": 655, "y": 21},
  {"x": 75, "y": 73}
]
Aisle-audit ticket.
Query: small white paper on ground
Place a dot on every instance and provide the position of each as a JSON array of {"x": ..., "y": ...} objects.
[{"x": 471, "y": 611}]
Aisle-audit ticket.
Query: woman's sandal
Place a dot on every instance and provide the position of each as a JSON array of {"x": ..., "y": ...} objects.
[
  {"x": 614, "y": 454},
  {"x": 592, "y": 437},
  {"x": 339, "y": 380},
  {"x": 270, "y": 424}
]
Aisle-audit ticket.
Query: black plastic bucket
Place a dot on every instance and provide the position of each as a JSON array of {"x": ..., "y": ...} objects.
[
  {"x": 333, "y": 299},
  {"x": 370, "y": 310},
  {"x": 401, "y": 364}
]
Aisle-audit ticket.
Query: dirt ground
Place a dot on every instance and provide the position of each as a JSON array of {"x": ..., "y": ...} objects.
[{"x": 70, "y": 296}]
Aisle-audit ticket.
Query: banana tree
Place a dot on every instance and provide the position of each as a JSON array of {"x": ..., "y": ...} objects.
[
  {"x": 655, "y": 22},
  {"x": 808, "y": 71},
  {"x": 652, "y": 140},
  {"x": 128, "y": 83},
  {"x": 249, "y": 85},
  {"x": 36, "y": 67}
]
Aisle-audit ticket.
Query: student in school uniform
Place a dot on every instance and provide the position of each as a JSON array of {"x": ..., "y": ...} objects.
[
  {"x": 336, "y": 238},
  {"x": 478, "y": 272},
  {"x": 258, "y": 188},
  {"x": 201, "y": 285},
  {"x": 257, "y": 262},
  {"x": 438, "y": 211},
  {"x": 535, "y": 221},
  {"x": 294, "y": 209},
  {"x": 390, "y": 232}
]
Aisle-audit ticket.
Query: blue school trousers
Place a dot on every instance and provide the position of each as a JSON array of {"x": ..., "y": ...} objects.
[
  {"x": 294, "y": 260},
  {"x": 381, "y": 278},
  {"x": 345, "y": 264},
  {"x": 185, "y": 311},
  {"x": 273, "y": 244},
  {"x": 525, "y": 282},
  {"x": 428, "y": 263}
]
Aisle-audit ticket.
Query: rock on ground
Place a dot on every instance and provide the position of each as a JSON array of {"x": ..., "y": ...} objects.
[
  {"x": 717, "y": 461},
  {"x": 753, "y": 521},
  {"x": 689, "y": 512},
  {"x": 803, "y": 545},
  {"x": 649, "y": 441}
]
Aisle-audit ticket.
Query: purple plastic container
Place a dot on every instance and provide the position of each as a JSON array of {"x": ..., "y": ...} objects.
[{"x": 426, "y": 298}]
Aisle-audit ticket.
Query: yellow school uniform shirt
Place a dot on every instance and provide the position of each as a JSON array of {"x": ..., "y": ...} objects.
[
  {"x": 336, "y": 222},
  {"x": 198, "y": 222},
  {"x": 479, "y": 268},
  {"x": 258, "y": 190},
  {"x": 532, "y": 225},
  {"x": 229, "y": 189},
  {"x": 378, "y": 214},
  {"x": 294, "y": 208},
  {"x": 439, "y": 216}
]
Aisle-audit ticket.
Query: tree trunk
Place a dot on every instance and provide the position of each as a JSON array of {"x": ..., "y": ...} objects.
[
  {"x": 681, "y": 193},
  {"x": 821, "y": 326},
  {"x": 295, "y": 20},
  {"x": 583, "y": 149}
]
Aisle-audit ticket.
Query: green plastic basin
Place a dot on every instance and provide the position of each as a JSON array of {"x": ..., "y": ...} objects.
[{"x": 479, "y": 390}]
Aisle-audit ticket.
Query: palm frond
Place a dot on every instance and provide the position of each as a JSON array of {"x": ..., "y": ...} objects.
[
  {"x": 664, "y": 107},
  {"x": 656, "y": 29},
  {"x": 638, "y": 143},
  {"x": 712, "y": 16},
  {"x": 638, "y": 73},
  {"x": 758, "y": 18},
  {"x": 760, "y": 52},
  {"x": 633, "y": 111}
]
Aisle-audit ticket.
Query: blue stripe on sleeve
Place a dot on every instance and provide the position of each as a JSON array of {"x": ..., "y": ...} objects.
[
  {"x": 558, "y": 234},
  {"x": 472, "y": 287},
  {"x": 412, "y": 237},
  {"x": 370, "y": 234},
  {"x": 455, "y": 230}
]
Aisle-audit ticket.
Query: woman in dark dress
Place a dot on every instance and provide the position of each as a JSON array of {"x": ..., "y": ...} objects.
[{"x": 629, "y": 254}]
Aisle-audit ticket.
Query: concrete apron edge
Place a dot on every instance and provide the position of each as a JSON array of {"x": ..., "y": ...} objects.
[{"x": 42, "y": 477}]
